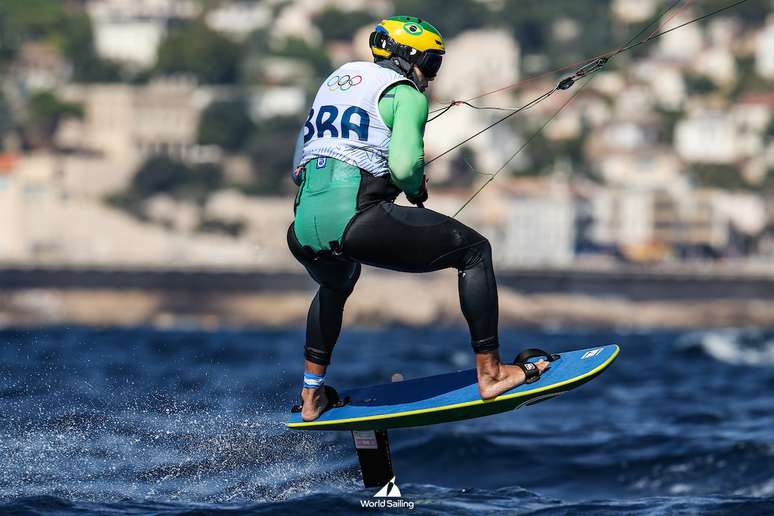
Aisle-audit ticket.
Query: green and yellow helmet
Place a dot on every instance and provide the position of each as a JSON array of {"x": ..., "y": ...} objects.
[{"x": 414, "y": 40}]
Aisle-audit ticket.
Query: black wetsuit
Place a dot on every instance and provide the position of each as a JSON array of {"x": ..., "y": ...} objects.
[
  {"x": 406, "y": 239},
  {"x": 345, "y": 216}
]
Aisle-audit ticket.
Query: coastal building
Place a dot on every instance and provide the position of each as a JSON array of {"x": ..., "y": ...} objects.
[
  {"x": 41, "y": 223},
  {"x": 272, "y": 70},
  {"x": 468, "y": 72},
  {"x": 133, "y": 42},
  {"x": 295, "y": 20},
  {"x": 723, "y": 31},
  {"x": 28, "y": 208},
  {"x": 239, "y": 19},
  {"x": 635, "y": 102},
  {"x": 130, "y": 31},
  {"x": 490, "y": 149},
  {"x": 685, "y": 48},
  {"x": 274, "y": 101},
  {"x": 687, "y": 221},
  {"x": 718, "y": 64},
  {"x": 725, "y": 137},
  {"x": 621, "y": 218},
  {"x": 665, "y": 79},
  {"x": 265, "y": 221},
  {"x": 538, "y": 226},
  {"x": 11, "y": 242},
  {"x": 40, "y": 66},
  {"x": 634, "y": 11},
  {"x": 131, "y": 123},
  {"x": 649, "y": 168},
  {"x": 165, "y": 118},
  {"x": 145, "y": 9},
  {"x": 752, "y": 115},
  {"x": 764, "y": 54},
  {"x": 707, "y": 137},
  {"x": 623, "y": 136},
  {"x": 706, "y": 220}
]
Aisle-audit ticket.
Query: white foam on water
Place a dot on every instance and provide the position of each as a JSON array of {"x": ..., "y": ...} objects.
[
  {"x": 680, "y": 489},
  {"x": 737, "y": 347},
  {"x": 175, "y": 454},
  {"x": 763, "y": 490}
]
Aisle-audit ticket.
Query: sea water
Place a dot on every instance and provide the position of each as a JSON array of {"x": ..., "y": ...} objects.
[{"x": 141, "y": 421}]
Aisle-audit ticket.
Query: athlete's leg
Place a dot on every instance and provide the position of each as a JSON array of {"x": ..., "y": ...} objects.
[
  {"x": 421, "y": 240},
  {"x": 336, "y": 279}
]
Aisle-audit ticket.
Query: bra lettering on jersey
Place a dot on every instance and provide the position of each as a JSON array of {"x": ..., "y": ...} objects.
[
  {"x": 327, "y": 119},
  {"x": 325, "y": 123},
  {"x": 345, "y": 123}
]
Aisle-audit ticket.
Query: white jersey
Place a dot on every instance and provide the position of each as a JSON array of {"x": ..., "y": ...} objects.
[{"x": 344, "y": 122}]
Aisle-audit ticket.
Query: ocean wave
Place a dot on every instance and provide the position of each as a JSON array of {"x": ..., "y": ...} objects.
[
  {"x": 746, "y": 347},
  {"x": 147, "y": 422}
]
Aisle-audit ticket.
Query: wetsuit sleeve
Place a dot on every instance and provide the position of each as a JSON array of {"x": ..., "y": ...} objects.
[{"x": 404, "y": 109}]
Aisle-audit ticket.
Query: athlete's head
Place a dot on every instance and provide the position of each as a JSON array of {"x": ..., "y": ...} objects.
[{"x": 412, "y": 44}]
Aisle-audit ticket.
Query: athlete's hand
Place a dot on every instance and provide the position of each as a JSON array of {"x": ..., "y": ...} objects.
[
  {"x": 297, "y": 176},
  {"x": 421, "y": 197}
]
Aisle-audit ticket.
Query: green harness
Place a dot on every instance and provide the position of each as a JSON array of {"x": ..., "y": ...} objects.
[{"x": 325, "y": 203}]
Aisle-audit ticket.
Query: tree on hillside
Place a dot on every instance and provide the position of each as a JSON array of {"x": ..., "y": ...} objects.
[
  {"x": 69, "y": 30},
  {"x": 315, "y": 56},
  {"x": 26, "y": 20},
  {"x": 271, "y": 151},
  {"x": 450, "y": 20},
  {"x": 78, "y": 46},
  {"x": 336, "y": 25},
  {"x": 726, "y": 177},
  {"x": 197, "y": 50},
  {"x": 44, "y": 113},
  {"x": 164, "y": 175},
  {"x": 6, "y": 120},
  {"x": 532, "y": 22},
  {"x": 226, "y": 124}
]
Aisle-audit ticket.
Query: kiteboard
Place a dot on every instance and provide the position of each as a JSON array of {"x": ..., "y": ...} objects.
[{"x": 370, "y": 411}]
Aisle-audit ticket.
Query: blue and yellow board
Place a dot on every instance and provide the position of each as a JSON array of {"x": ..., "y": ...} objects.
[{"x": 453, "y": 396}]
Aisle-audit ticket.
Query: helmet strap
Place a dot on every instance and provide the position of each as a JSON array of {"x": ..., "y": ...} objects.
[
  {"x": 401, "y": 64},
  {"x": 421, "y": 83},
  {"x": 403, "y": 67}
]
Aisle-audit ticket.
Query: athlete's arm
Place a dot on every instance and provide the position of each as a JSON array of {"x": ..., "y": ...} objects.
[{"x": 404, "y": 109}]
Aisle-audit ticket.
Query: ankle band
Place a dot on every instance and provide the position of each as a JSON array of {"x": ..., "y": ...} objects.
[{"x": 313, "y": 381}]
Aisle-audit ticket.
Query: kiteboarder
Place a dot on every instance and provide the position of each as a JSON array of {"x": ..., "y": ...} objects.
[{"x": 361, "y": 146}]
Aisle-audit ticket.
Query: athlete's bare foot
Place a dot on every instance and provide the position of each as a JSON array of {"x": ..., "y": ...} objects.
[
  {"x": 313, "y": 402},
  {"x": 494, "y": 377}
]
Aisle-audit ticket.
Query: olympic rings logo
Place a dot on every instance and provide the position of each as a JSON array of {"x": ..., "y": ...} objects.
[{"x": 343, "y": 82}]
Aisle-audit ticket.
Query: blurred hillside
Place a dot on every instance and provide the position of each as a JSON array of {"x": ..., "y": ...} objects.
[{"x": 161, "y": 131}]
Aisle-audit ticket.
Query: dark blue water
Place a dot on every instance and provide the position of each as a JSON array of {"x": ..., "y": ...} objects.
[{"x": 173, "y": 422}]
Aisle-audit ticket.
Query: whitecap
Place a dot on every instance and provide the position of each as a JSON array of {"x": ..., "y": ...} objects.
[{"x": 733, "y": 346}]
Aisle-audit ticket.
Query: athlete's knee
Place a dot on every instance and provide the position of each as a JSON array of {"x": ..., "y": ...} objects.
[
  {"x": 477, "y": 255},
  {"x": 353, "y": 277},
  {"x": 345, "y": 285}
]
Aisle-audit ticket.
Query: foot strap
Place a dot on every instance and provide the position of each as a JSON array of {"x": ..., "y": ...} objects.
[
  {"x": 531, "y": 371},
  {"x": 334, "y": 401}
]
